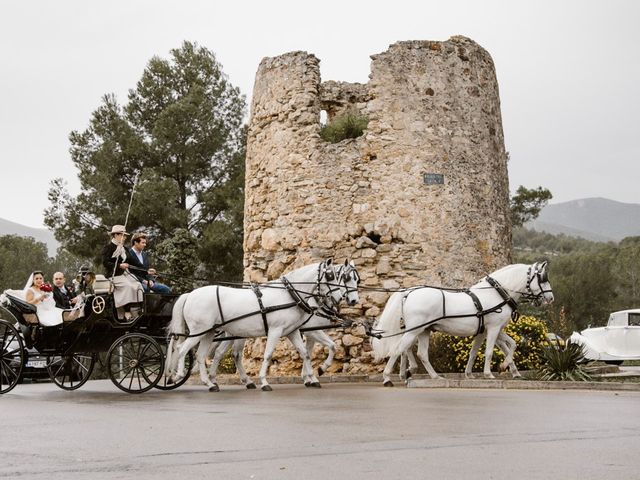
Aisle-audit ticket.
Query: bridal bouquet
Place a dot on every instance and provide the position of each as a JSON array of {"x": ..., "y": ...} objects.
[{"x": 46, "y": 287}]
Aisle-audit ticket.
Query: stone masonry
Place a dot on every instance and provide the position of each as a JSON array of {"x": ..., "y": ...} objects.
[{"x": 433, "y": 108}]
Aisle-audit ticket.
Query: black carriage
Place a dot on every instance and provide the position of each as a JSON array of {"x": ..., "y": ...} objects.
[{"x": 135, "y": 349}]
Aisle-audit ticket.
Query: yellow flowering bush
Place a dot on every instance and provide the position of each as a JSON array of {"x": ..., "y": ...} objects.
[{"x": 450, "y": 354}]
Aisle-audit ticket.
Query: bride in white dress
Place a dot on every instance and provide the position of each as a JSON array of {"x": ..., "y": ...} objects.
[{"x": 48, "y": 314}]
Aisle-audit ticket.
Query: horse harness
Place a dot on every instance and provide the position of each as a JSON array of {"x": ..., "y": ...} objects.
[
  {"x": 298, "y": 301},
  {"x": 480, "y": 313}
]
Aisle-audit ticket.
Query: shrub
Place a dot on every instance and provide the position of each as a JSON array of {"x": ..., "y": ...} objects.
[
  {"x": 563, "y": 363},
  {"x": 349, "y": 125},
  {"x": 450, "y": 354}
]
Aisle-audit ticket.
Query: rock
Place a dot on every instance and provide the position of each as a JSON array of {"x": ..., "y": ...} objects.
[
  {"x": 349, "y": 340},
  {"x": 269, "y": 240}
]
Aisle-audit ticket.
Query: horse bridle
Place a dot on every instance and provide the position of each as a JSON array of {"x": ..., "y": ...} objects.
[
  {"x": 540, "y": 274},
  {"x": 346, "y": 273}
]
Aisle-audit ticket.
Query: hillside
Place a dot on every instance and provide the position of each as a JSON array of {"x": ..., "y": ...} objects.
[
  {"x": 597, "y": 219},
  {"x": 39, "y": 234}
]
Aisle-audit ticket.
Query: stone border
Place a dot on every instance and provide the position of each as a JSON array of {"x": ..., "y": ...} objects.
[
  {"x": 523, "y": 385},
  {"x": 423, "y": 381}
]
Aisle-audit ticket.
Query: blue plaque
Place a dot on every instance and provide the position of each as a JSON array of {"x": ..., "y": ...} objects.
[{"x": 433, "y": 178}]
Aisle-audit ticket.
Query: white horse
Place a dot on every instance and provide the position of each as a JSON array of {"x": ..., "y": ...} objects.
[
  {"x": 504, "y": 342},
  {"x": 485, "y": 308},
  {"x": 275, "y": 309},
  {"x": 312, "y": 334}
]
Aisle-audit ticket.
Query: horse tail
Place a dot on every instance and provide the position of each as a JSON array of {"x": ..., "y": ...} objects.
[
  {"x": 389, "y": 324},
  {"x": 177, "y": 326}
]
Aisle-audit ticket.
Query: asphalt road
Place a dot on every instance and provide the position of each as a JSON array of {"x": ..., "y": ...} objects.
[{"x": 351, "y": 431}]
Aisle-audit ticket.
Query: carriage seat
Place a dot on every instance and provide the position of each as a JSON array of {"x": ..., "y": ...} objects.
[
  {"x": 102, "y": 285},
  {"x": 17, "y": 301},
  {"x": 29, "y": 311}
]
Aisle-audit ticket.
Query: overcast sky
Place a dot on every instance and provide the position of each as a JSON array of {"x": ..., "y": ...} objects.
[{"x": 568, "y": 71}]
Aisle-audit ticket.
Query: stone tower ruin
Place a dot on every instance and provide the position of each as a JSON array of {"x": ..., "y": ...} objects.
[{"x": 421, "y": 198}]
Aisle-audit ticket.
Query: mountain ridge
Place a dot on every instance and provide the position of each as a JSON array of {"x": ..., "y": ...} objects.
[
  {"x": 43, "y": 235},
  {"x": 595, "y": 218}
]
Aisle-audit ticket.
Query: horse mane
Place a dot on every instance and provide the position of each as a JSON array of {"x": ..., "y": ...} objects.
[{"x": 510, "y": 275}]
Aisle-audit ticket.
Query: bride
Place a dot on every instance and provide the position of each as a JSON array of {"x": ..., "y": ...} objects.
[{"x": 48, "y": 314}]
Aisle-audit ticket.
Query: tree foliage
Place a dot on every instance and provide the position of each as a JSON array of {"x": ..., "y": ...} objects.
[
  {"x": 19, "y": 256},
  {"x": 527, "y": 203},
  {"x": 180, "y": 135},
  {"x": 589, "y": 279}
]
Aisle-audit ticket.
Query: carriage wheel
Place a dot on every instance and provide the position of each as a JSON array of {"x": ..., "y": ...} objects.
[
  {"x": 11, "y": 356},
  {"x": 188, "y": 365},
  {"x": 135, "y": 363},
  {"x": 70, "y": 372}
]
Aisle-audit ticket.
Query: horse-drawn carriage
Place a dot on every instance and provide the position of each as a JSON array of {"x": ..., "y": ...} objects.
[
  {"x": 135, "y": 349},
  {"x": 162, "y": 338}
]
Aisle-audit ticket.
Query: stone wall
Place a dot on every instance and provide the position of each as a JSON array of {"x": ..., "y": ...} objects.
[{"x": 433, "y": 108}]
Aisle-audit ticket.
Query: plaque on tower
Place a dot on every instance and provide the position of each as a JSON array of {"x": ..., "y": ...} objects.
[{"x": 433, "y": 178}]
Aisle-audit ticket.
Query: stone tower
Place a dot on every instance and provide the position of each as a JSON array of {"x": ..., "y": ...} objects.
[{"x": 421, "y": 198}]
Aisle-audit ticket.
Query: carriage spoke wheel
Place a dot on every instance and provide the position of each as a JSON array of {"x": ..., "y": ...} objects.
[
  {"x": 188, "y": 365},
  {"x": 71, "y": 371},
  {"x": 135, "y": 363},
  {"x": 12, "y": 356}
]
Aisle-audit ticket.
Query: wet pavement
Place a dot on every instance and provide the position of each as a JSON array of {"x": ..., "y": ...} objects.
[{"x": 353, "y": 431}]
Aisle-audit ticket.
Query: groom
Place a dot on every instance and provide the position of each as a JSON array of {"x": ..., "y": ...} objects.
[
  {"x": 64, "y": 295},
  {"x": 138, "y": 261}
]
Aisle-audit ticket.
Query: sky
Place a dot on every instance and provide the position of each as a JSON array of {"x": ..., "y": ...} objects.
[{"x": 568, "y": 73}]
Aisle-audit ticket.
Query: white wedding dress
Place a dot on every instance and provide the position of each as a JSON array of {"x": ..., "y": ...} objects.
[{"x": 48, "y": 314}]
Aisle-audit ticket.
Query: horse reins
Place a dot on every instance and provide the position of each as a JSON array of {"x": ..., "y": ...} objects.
[{"x": 299, "y": 301}]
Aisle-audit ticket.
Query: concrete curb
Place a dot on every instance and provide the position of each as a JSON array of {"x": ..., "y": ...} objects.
[
  {"x": 523, "y": 385},
  {"x": 423, "y": 381}
]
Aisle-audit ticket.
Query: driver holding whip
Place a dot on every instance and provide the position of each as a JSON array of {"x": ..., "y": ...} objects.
[{"x": 127, "y": 292}]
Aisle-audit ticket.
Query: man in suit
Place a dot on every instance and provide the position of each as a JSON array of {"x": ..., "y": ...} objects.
[
  {"x": 138, "y": 261},
  {"x": 64, "y": 295}
]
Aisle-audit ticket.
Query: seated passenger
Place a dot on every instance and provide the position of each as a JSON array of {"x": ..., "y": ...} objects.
[
  {"x": 127, "y": 292},
  {"x": 38, "y": 294},
  {"x": 83, "y": 283},
  {"x": 138, "y": 261},
  {"x": 64, "y": 295}
]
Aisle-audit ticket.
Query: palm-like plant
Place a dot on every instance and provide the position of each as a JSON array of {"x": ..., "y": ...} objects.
[{"x": 563, "y": 363}]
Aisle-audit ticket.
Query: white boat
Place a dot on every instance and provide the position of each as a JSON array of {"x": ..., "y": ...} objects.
[{"x": 615, "y": 343}]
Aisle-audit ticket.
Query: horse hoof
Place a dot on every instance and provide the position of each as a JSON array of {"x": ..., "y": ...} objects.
[
  {"x": 307, "y": 384},
  {"x": 320, "y": 371},
  {"x": 214, "y": 388},
  {"x": 315, "y": 385},
  {"x": 388, "y": 383},
  {"x": 267, "y": 388},
  {"x": 251, "y": 386},
  {"x": 408, "y": 375}
]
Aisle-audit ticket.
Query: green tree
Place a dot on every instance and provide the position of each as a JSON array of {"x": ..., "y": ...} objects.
[
  {"x": 627, "y": 273},
  {"x": 181, "y": 136},
  {"x": 527, "y": 203},
  {"x": 19, "y": 256},
  {"x": 584, "y": 287}
]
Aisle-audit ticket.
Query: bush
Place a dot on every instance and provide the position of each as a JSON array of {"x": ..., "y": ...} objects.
[
  {"x": 563, "y": 363},
  {"x": 450, "y": 354},
  {"x": 349, "y": 125}
]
